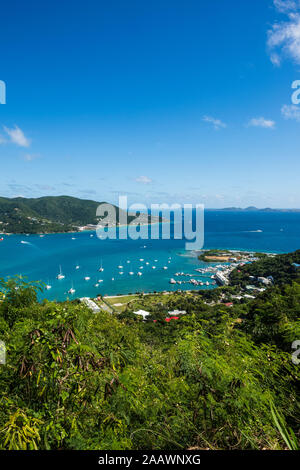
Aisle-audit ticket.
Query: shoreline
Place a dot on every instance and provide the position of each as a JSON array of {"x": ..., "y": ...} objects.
[{"x": 81, "y": 231}]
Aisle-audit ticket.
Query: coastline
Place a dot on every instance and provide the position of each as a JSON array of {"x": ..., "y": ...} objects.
[{"x": 86, "y": 230}]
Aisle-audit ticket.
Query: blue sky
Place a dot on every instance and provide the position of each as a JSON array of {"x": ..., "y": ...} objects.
[{"x": 165, "y": 101}]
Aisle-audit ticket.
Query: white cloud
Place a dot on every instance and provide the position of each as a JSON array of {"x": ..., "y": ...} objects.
[
  {"x": 291, "y": 112},
  {"x": 286, "y": 5},
  {"x": 284, "y": 37},
  {"x": 143, "y": 179},
  {"x": 29, "y": 157},
  {"x": 217, "y": 123},
  {"x": 17, "y": 136},
  {"x": 262, "y": 122}
]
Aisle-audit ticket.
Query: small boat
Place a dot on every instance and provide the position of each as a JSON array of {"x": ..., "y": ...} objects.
[
  {"x": 48, "y": 287},
  {"x": 165, "y": 267},
  {"x": 128, "y": 261},
  {"x": 1, "y": 239},
  {"x": 100, "y": 280},
  {"x": 101, "y": 269},
  {"x": 77, "y": 266},
  {"x": 121, "y": 273},
  {"x": 139, "y": 273},
  {"x": 141, "y": 259},
  {"x": 91, "y": 235},
  {"x": 60, "y": 275},
  {"x": 71, "y": 291},
  {"x": 120, "y": 267},
  {"x": 73, "y": 238},
  {"x": 87, "y": 278},
  {"x": 153, "y": 267},
  {"x": 147, "y": 262},
  {"x": 131, "y": 273},
  {"x": 97, "y": 284},
  {"x": 112, "y": 278},
  {"x": 141, "y": 267}
]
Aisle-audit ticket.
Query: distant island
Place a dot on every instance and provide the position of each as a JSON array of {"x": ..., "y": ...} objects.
[{"x": 56, "y": 214}]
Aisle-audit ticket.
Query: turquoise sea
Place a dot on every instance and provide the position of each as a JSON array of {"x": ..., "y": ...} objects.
[{"x": 39, "y": 258}]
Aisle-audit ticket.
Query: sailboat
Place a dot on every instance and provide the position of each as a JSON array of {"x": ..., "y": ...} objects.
[
  {"x": 72, "y": 290},
  {"x": 101, "y": 269},
  {"x": 48, "y": 286},
  {"x": 60, "y": 275}
]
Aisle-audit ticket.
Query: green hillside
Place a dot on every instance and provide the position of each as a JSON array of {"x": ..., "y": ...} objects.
[
  {"x": 47, "y": 214},
  {"x": 217, "y": 377}
]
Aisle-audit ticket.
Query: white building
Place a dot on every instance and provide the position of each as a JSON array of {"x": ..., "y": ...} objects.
[
  {"x": 90, "y": 304},
  {"x": 143, "y": 313},
  {"x": 219, "y": 276},
  {"x": 177, "y": 312}
]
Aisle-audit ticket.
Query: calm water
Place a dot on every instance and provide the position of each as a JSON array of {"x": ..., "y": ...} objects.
[{"x": 39, "y": 258}]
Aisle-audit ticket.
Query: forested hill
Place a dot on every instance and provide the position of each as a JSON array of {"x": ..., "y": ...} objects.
[
  {"x": 47, "y": 214},
  {"x": 223, "y": 375}
]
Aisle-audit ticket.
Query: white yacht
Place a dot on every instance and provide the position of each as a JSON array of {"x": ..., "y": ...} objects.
[
  {"x": 165, "y": 267},
  {"x": 48, "y": 287},
  {"x": 101, "y": 269},
  {"x": 60, "y": 275},
  {"x": 131, "y": 273},
  {"x": 87, "y": 278},
  {"x": 77, "y": 266},
  {"x": 139, "y": 273},
  {"x": 120, "y": 267},
  {"x": 71, "y": 291},
  {"x": 153, "y": 267}
]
